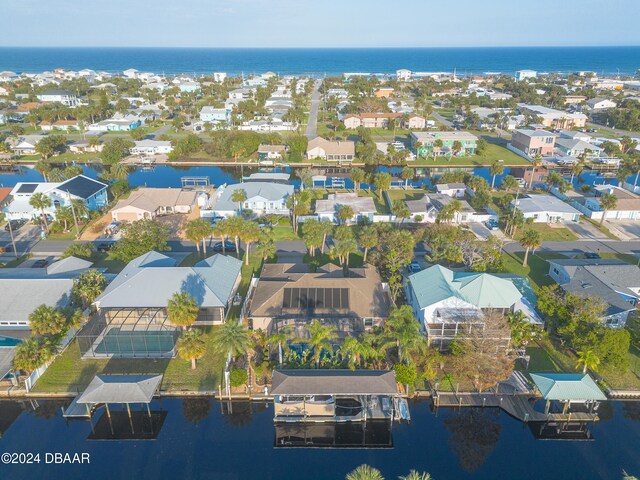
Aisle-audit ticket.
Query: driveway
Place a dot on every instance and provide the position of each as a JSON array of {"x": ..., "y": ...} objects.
[
  {"x": 312, "y": 126},
  {"x": 25, "y": 237},
  {"x": 586, "y": 231},
  {"x": 482, "y": 232},
  {"x": 291, "y": 251},
  {"x": 626, "y": 230},
  {"x": 441, "y": 119}
]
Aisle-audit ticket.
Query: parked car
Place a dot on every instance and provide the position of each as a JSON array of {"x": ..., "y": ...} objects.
[
  {"x": 591, "y": 255},
  {"x": 43, "y": 262},
  {"x": 15, "y": 225},
  {"x": 104, "y": 247},
  {"x": 414, "y": 267},
  {"x": 491, "y": 225},
  {"x": 228, "y": 246}
]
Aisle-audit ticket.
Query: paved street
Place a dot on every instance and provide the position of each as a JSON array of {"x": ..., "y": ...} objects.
[
  {"x": 312, "y": 127},
  {"x": 442, "y": 120},
  {"x": 581, "y": 246}
]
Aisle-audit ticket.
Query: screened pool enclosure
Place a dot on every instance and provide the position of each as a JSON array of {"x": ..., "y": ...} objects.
[{"x": 129, "y": 333}]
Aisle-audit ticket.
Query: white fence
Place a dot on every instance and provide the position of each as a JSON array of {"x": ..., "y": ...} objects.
[{"x": 38, "y": 372}]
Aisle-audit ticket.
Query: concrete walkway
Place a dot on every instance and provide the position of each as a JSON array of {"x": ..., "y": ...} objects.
[{"x": 312, "y": 126}]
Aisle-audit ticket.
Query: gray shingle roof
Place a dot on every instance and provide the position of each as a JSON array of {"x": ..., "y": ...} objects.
[
  {"x": 267, "y": 190},
  {"x": 121, "y": 389}
]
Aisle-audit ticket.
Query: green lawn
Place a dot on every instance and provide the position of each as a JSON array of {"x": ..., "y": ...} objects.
[
  {"x": 70, "y": 373},
  {"x": 411, "y": 194},
  {"x": 283, "y": 232},
  {"x": 355, "y": 260},
  {"x": 549, "y": 233},
  {"x": 537, "y": 268},
  {"x": 105, "y": 260},
  {"x": 541, "y": 362}
]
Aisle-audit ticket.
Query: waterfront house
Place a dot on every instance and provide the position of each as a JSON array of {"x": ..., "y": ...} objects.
[
  {"x": 364, "y": 208},
  {"x": 151, "y": 147},
  {"x": 455, "y": 190},
  {"x": 546, "y": 209},
  {"x": 532, "y": 142},
  {"x": 576, "y": 148},
  {"x": 525, "y": 74},
  {"x": 423, "y": 144},
  {"x": 271, "y": 152},
  {"x": 62, "y": 125},
  {"x": 263, "y": 198},
  {"x": 148, "y": 203},
  {"x": 25, "y": 289},
  {"x": 131, "y": 314},
  {"x": 68, "y": 99},
  {"x": 427, "y": 208},
  {"x": 576, "y": 135},
  {"x": 616, "y": 282},
  {"x": 449, "y": 303},
  {"x": 292, "y": 296},
  {"x": 340, "y": 151},
  {"x": 92, "y": 192},
  {"x": 627, "y": 204},
  {"x": 26, "y": 144}
]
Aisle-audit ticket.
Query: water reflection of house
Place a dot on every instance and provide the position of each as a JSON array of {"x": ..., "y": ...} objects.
[
  {"x": 288, "y": 294},
  {"x": 335, "y": 396}
]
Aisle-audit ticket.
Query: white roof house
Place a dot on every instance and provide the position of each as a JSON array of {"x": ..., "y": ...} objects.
[
  {"x": 151, "y": 147},
  {"x": 262, "y": 198},
  {"x": 546, "y": 209},
  {"x": 363, "y": 207}
]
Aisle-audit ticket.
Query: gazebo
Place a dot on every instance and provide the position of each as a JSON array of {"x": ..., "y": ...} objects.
[
  {"x": 568, "y": 388},
  {"x": 120, "y": 389}
]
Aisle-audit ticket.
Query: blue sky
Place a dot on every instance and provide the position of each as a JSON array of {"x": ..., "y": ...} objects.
[{"x": 318, "y": 23}]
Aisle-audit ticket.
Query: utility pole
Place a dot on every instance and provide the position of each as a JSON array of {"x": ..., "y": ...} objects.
[{"x": 13, "y": 241}]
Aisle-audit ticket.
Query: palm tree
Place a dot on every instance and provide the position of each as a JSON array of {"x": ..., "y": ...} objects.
[
  {"x": 577, "y": 169},
  {"x": 357, "y": 175},
  {"x": 234, "y": 227},
  {"x": 32, "y": 353},
  {"x": 198, "y": 231},
  {"x": 45, "y": 320},
  {"x": 588, "y": 360},
  {"x": 44, "y": 168},
  {"x": 266, "y": 248},
  {"x": 250, "y": 232},
  {"x": 326, "y": 228},
  {"x": 495, "y": 169},
  {"x": 64, "y": 215},
  {"x": 382, "y": 182},
  {"x": 280, "y": 339},
  {"x": 119, "y": 171},
  {"x": 232, "y": 337},
  {"x": 182, "y": 309},
  {"x": 191, "y": 346},
  {"x": 403, "y": 330},
  {"x": 239, "y": 196},
  {"x": 345, "y": 213},
  {"x": 221, "y": 229},
  {"x": 320, "y": 339},
  {"x": 608, "y": 201},
  {"x": 530, "y": 241},
  {"x": 342, "y": 249},
  {"x": 80, "y": 208},
  {"x": 368, "y": 238},
  {"x": 415, "y": 475},
  {"x": 407, "y": 174},
  {"x": 536, "y": 161},
  {"x": 364, "y": 472},
  {"x": 41, "y": 201},
  {"x": 352, "y": 350}
]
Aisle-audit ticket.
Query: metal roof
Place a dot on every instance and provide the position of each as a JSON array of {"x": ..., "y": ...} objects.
[
  {"x": 82, "y": 187},
  {"x": 121, "y": 389},
  {"x": 6, "y": 360},
  {"x": 334, "y": 382},
  {"x": 567, "y": 386}
]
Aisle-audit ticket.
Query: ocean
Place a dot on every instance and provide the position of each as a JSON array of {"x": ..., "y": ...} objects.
[{"x": 325, "y": 61}]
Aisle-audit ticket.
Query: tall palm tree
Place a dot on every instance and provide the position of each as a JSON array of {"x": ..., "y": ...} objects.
[
  {"x": 239, "y": 196},
  {"x": 588, "y": 360},
  {"x": 191, "y": 346},
  {"x": 46, "y": 320},
  {"x": 280, "y": 339},
  {"x": 320, "y": 339},
  {"x": 608, "y": 201},
  {"x": 326, "y": 228},
  {"x": 530, "y": 241},
  {"x": 536, "y": 161},
  {"x": 364, "y": 472},
  {"x": 249, "y": 233},
  {"x": 32, "y": 353},
  {"x": 352, "y": 350},
  {"x": 182, "y": 309},
  {"x": 232, "y": 337},
  {"x": 234, "y": 227},
  {"x": 368, "y": 238},
  {"x": 80, "y": 208},
  {"x": 119, "y": 171},
  {"x": 221, "y": 229},
  {"x": 41, "y": 201},
  {"x": 495, "y": 169},
  {"x": 403, "y": 330}
]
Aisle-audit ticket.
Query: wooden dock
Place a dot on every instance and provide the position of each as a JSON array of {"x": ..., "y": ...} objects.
[
  {"x": 77, "y": 410},
  {"x": 518, "y": 406}
]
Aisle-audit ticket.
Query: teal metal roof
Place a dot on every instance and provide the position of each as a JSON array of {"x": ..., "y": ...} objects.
[
  {"x": 483, "y": 290},
  {"x": 567, "y": 386}
]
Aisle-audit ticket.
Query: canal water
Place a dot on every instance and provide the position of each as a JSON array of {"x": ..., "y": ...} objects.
[
  {"x": 170, "y": 176},
  {"x": 198, "y": 438}
]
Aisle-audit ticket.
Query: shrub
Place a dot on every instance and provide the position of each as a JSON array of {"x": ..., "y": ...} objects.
[
  {"x": 418, "y": 218},
  {"x": 405, "y": 374},
  {"x": 56, "y": 227},
  {"x": 237, "y": 377},
  {"x": 82, "y": 250}
]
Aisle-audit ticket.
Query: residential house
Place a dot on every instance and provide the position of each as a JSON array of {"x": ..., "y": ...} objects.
[
  {"x": 290, "y": 296},
  {"x": 117, "y": 123},
  {"x": 600, "y": 103},
  {"x": 552, "y": 118},
  {"x": 5, "y": 196},
  {"x": 151, "y": 147},
  {"x": 337, "y": 93},
  {"x": 364, "y": 208},
  {"x": 331, "y": 151},
  {"x": 214, "y": 115},
  {"x": 574, "y": 99},
  {"x": 455, "y": 190},
  {"x": 25, "y": 289},
  {"x": 219, "y": 76},
  {"x": 68, "y": 99},
  {"x": 263, "y": 198},
  {"x": 7, "y": 76},
  {"x": 576, "y": 148},
  {"x": 427, "y": 208},
  {"x": 384, "y": 92},
  {"x": 271, "y": 152},
  {"x": 533, "y": 142},
  {"x": 546, "y": 209},
  {"x": 83, "y": 146},
  {"x": 241, "y": 94},
  {"x": 370, "y": 120},
  {"x": 627, "y": 204},
  {"x": 415, "y": 122},
  {"x": 615, "y": 282},
  {"x": 448, "y": 303},
  {"x": 26, "y": 144},
  {"x": 575, "y": 135},
  {"x": 424, "y": 144},
  {"x": 148, "y": 203},
  {"x": 92, "y": 192}
]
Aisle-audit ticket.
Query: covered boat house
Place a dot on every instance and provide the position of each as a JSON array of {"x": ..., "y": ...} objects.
[
  {"x": 336, "y": 396},
  {"x": 564, "y": 391}
]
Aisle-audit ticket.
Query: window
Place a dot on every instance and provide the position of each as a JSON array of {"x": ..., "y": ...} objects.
[{"x": 368, "y": 322}]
